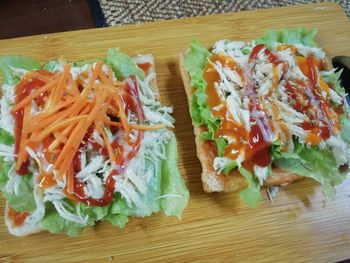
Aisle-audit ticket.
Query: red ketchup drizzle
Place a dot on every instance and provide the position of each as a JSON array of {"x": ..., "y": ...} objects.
[
  {"x": 259, "y": 147},
  {"x": 260, "y": 154},
  {"x": 256, "y": 50},
  {"x": 23, "y": 89},
  {"x": 121, "y": 159},
  {"x": 276, "y": 61},
  {"x": 144, "y": 66},
  {"x": 320, "y": 131}
]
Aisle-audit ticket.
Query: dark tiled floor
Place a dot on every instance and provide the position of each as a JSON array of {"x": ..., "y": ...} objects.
[{"x": 32, "y": 17}]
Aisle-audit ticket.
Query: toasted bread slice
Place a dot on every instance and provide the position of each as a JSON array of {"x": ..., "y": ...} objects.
[
  {"x": 206, "y": 152},
  {"x": 28, "y": 229}
]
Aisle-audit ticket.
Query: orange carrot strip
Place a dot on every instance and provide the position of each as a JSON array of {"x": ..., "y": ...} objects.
[
  {"x": 104, "y": 78},
  {"x": 103, "y": 118},
  {"x": 110, "y": 74},
  {"x": 69, "y": 155},
  {"x": 57, "y": 142},
  {"x": 66, "y": 101},
  {"x": 41, "y": 124},
  {"x": 32, "y": 96},
  {"x": 58, "y": 135},
  {"x": 62, "y": 104},
  {"x": 122, "y": 115},
  {"x": 22, "y": 153},
  {"x": 58, "y": 125},
  {"x": 73, "y": 86},
  {"x": 42, "y": 77},
  {"x": 77, "y": 135},
  {"x": 80, "y": 101},
  {"x": 70, "y": 179},
  {"x": 92, "y": 80},
  {"x": 85, "y": 74},
  {"x": 121, "y": 84},
  {"x": 68, "y": 130},
  {"x": 59, "y": 89},
  {"x": 59, "y": 116}
]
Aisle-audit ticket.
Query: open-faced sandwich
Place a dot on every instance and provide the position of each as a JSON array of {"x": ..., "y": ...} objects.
[
  {"x": 266, "y": 112},
  {"x": 83, "y": 142}
]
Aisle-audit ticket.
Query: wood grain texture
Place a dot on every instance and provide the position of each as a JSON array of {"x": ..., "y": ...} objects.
[{"x": 298, "y": 226}]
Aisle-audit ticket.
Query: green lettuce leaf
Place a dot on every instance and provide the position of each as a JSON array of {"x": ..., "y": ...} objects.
[
  {"x": 122, "y": 65},
  {"x": 345, "y": 133},
  {"x": 22, "y": 62},
  {"x": 149, "y": 202},
  {"x": 82, "y": 63},
  {"x": 250, "y": 195},
  {"x": 221, "y": 143},
  {"x": 95, "y": 213},
  {"x": 229, "y": 168},
  {"x": 333, "y": 79},
  {"x": 118, "y": 212},
  {"x": 289, "y": 36},
  {"x": 4, "y": 170},
  {"x": 49, "y": 66},
  {"x": 314, "y": 163},
  {"x": 174, "y": 196},
  {"x": 119, "y": 220},
  {"x": 6, "y": 138},
  {"x": 195, "y": 60},
  {"x": 54, "y": 223},
  {"x": 24, "y": 201}
]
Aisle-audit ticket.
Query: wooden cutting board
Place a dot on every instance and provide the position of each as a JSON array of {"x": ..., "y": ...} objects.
[{"x": 298, "y": 226}]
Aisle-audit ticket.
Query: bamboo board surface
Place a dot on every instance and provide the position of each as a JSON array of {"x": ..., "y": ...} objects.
[{"x": 298, "y": 226}]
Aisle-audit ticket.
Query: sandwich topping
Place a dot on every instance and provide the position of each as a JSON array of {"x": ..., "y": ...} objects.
[
  {"x": 271, "y": 102},
  {"x": 83, "y": 135},
  {"x": 266, "y": 95}
]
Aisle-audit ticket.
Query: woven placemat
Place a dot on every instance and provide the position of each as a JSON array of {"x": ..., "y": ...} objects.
[{"x": 122, "y": 12}]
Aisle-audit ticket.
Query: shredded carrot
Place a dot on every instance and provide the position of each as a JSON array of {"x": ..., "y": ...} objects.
[
  {"x": 73, "y": 87},
  {"x": 58, "y": 90},
  {"x": 110, "y": 74},
  {"x": 22, "y": 153},
  {"x": 32, "y": 96},
  {"x": 122, "y": 115},
  {"x": 117, "y": 83},
  {"x": 57, "y": 142},
  {"x": 85, "y": 74},
  {"x": 37, "y": 119},
  {"x": 70, "y": 179},
  {"x": 50, "y": 119},
  {"x": 59, "y": 125},
  {"x": 107, "y": 143},
  {"x": 104, "y": 78},
  {"x": 67, "y": 131},
  {"x": 58, "y": 135},
  {"x": 42, "y": 77},
  {"x": 77, "y": 135},
  {"x": 69, "y": 156},
  {"x": 92, "y": 80}
]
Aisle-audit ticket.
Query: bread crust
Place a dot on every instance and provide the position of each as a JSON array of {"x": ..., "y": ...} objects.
[{"x": 206, "y": 152}]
